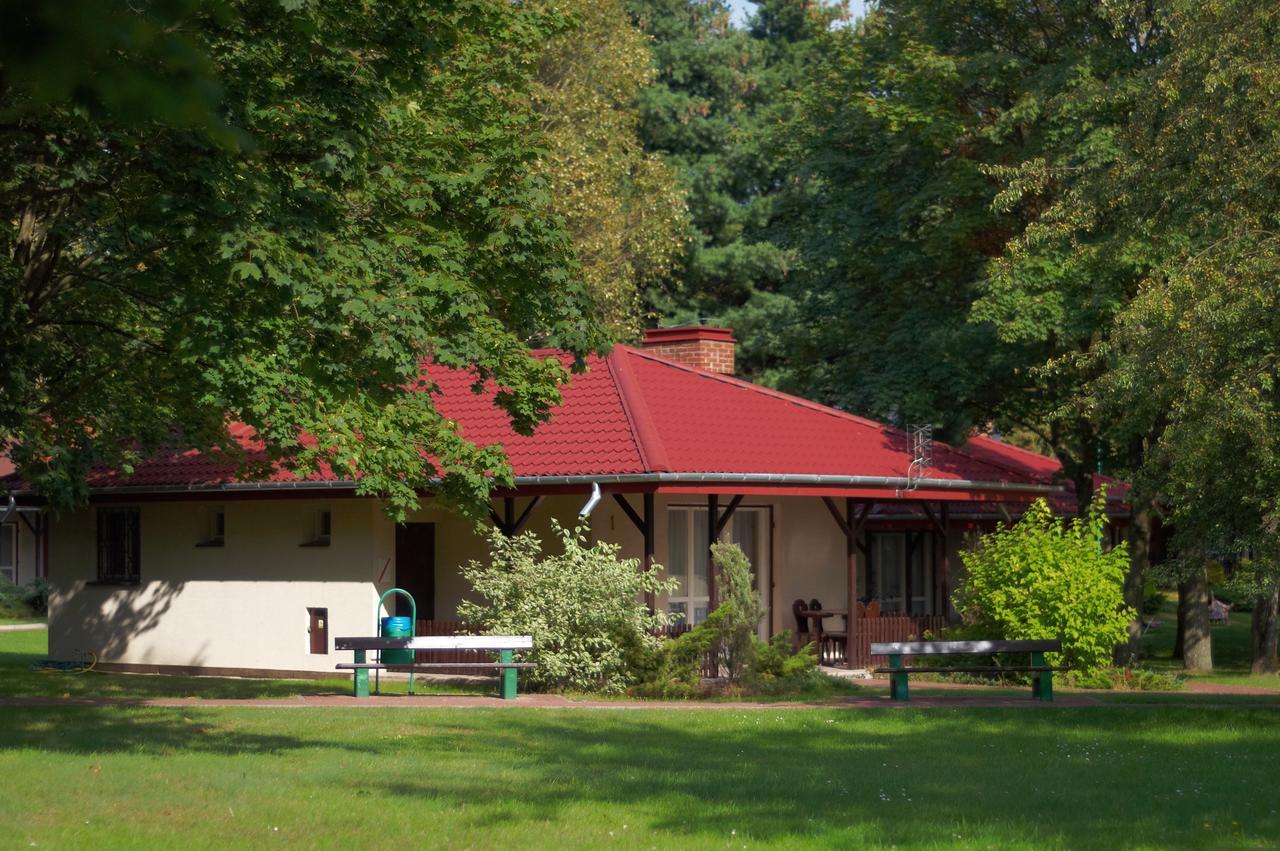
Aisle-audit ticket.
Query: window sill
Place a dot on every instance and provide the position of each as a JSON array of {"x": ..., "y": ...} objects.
[
  {"x": 316, "y": 543},
  {"x": 201, "y": 545},
  {"x": 113, "y": 583}
]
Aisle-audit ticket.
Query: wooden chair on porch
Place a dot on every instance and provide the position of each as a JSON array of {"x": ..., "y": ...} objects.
[
  {"x": 831, "y": 645},
  {"x": 800, "y": 609}
]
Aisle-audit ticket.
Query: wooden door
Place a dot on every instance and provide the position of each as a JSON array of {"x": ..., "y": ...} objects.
[
  {"x": 319, "y": 631},
  {"x": 416, "y": 568}
]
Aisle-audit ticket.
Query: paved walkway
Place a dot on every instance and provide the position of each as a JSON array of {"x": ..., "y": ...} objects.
[{"x": 22, "y": 627}]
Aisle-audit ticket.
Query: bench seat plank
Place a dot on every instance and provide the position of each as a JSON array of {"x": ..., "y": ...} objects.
[
  {"x": 962, "y": 648},
  {"x": 419, "y": 666},
  {"x": 1011, "y": 669},
  {"x": 437, "y": 642}
]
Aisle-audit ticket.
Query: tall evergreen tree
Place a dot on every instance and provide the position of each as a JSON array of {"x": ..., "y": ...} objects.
[{"x": 719, "y": 93}]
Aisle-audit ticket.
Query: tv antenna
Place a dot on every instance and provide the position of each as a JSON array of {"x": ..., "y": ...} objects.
[{"x": 921, "y": 454}]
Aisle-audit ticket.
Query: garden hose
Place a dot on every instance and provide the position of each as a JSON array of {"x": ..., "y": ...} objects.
[{"x": 81, "y": 666}]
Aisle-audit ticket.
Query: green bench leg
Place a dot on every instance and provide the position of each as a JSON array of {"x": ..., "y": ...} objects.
[
  {"x": 1041, "y": 681},
  {"x": 508, "y": 676},
  {"x": 897, "y": 682},
  {"x": 360, "y": 682}
]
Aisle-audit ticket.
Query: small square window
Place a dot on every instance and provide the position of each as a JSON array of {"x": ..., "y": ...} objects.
[
  {"x": 215, "y": 527},
  {"x": 321, "y": 529}
]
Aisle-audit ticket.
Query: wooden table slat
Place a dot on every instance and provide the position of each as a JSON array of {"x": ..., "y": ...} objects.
[{"x": 976, "y": 648}]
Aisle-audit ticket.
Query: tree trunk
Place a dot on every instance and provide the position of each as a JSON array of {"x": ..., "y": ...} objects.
[
  {"x": 1140, "y": 527},
  {"x": 1266, "y": 610},
  {"x": 1180, "y": 635},
  {"x": 1197, "y": 645}
]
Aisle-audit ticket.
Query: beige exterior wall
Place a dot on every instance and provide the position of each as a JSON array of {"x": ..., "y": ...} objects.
[{"x": 244, "y": 605}]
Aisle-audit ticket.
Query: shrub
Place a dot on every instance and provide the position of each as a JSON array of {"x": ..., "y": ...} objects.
[
  {"x": 583, "y": 606},
  {"x": 729, "y": 632},
  {"x": 35, "y": 594},
  {"x": 23, "y": 601},
  {"x": 1124, "y": 679},
  {"x": 1048, "y": 578}
]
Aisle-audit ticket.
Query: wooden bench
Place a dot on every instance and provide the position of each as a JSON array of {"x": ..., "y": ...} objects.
[
  {"x": 1041, "y": 673},
  {"x": 503, "y": 645}
]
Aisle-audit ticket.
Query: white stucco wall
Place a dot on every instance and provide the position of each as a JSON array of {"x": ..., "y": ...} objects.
[{"x": 242, "y": 605}]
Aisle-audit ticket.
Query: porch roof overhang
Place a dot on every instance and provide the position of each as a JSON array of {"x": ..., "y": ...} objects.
[{"x": 871, "y": 488}]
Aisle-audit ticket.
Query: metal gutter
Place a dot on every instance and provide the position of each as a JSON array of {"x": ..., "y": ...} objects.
[{"x": 897, "y": 483}]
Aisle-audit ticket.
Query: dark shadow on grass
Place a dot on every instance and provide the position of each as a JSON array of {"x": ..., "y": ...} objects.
[
  {"x": 133, "y": 730},
  {"x": 1080, "y": 778}
]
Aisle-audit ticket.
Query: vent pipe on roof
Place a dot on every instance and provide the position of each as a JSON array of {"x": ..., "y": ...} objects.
[{"x": 592, "y": 501}]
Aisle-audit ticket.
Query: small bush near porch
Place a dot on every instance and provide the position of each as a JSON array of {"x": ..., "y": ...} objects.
[{"x": 1046, "y": 577}]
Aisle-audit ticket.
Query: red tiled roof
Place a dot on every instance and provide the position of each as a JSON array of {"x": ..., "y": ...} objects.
[
  {"x": 633, "y": 413},
  {"x": 1042, "y": 468}
]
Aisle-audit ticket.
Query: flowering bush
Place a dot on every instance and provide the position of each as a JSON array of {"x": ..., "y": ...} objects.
[
  {"x": 1048, "y": 578},
  {"x": 583, "y": 606}
]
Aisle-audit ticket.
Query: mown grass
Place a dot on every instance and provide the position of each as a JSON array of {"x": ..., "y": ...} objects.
[
  {"x": 19, "y": 649},
  {"x": 530, "y": 778},
  {"x": 1231, "y": 650}
]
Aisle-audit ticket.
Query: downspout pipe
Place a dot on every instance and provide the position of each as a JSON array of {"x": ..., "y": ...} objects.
[
  {"x": 11, "y": 507},
  {"x": 592, "y": 501}
]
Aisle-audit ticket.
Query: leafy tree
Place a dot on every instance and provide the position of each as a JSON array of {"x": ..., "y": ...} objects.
[
  {"x": 375, "y": 205},
  {"x": 1045, "y": 578},
  {"x": 624, "y": 208},
  {"x": 719, "y": 92},
  {"x": 1196, "y": 351},
  {"x": 937, "y": 149},
  {"x": 583, "y": 606}
]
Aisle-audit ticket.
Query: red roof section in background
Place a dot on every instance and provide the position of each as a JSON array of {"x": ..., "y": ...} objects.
[{"x": 635, "y": 413}]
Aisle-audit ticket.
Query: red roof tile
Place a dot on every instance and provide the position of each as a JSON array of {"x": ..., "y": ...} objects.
[{"x": 635, "y": 413}]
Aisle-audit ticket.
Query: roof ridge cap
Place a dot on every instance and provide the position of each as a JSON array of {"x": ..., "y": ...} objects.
[{"x": 653, "y": 454}]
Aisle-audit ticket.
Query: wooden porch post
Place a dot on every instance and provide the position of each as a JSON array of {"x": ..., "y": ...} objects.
[
  {"x": 851, "y": 600},
  {"x": 650, "y": 519},
  {"x": 645, "y": 526},
  {"x": 946, "y": 565},
  {"x": 713, "y": 517}
]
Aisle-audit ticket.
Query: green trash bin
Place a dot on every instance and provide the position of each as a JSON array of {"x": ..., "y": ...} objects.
[{"x": 397, "y": 627}]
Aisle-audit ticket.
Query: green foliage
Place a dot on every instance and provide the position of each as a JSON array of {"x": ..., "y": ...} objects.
[
  {"x": 719, "y": 92},
  {"x": 376, "y": 204},
  {"x": 583, "y": 606},
  {"x": 23, "y": 601},
  {"x": 736, "y": 620},
  {"x": 1122, "y": 679},
  {"x": 623, "y": 206},
  {"x": 729, "y": 634},
  {"x": 1047, "y": 578}
]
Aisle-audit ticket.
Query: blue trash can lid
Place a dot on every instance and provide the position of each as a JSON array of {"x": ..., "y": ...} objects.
[{"x": 398, "y": 622}]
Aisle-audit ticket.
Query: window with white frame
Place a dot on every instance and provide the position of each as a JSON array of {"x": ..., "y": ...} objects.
[
  {"x": 9, "y": 551},
  {"x": 688, "y": 561}
]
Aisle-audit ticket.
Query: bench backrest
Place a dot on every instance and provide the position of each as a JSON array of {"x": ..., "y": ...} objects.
[
  {"x": 438, "y": 642},
  {"x": 976, "y": 648}
]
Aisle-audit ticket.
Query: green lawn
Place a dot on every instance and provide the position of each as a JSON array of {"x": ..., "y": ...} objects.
[
  {"x": 1231, "y": 650},
  {"x": 1116, "y": 776},
  {"x": 19, "y": 649},
  {"x": 521, "y": 778},
  {"x": 16, "y": 621}
]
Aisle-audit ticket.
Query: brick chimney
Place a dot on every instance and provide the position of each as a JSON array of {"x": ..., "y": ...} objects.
[{"x": 696, "y": 345}]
